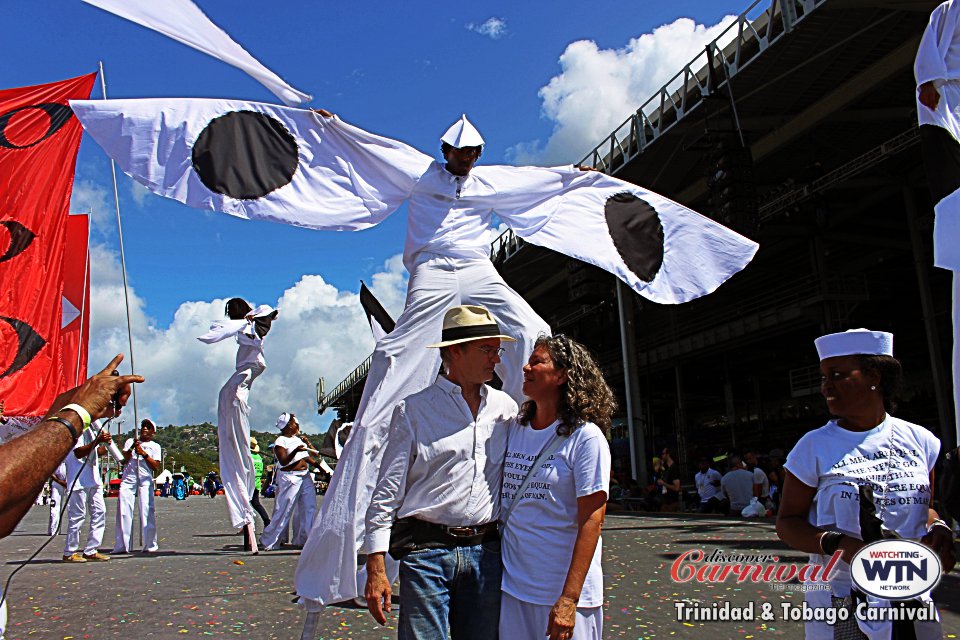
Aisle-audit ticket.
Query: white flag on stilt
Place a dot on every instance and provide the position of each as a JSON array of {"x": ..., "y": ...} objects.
[{"x": 183, "y": 21}]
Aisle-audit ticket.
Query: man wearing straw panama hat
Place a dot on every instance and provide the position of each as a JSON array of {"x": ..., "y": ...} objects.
[{"x": 436, "y": 503}]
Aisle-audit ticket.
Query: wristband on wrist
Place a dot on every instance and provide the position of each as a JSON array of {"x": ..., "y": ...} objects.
[
  {"x": 68, "y": 425},
  {"x": 939, "y": 523},
  {"x": 830, "y": 542},
  {"x": 80, "y": 411}
]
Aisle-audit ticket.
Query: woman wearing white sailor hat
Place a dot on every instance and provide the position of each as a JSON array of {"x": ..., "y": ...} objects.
[{"x": 862, "y": 476}]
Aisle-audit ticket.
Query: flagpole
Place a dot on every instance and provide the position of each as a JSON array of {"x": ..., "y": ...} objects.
[
  {"x": 126, "y": 299},
  {"x": 80, "y": 377},
  {"x": 123, "y": 262}
]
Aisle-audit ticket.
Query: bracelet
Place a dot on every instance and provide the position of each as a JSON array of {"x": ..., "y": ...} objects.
[
  {"x": 830, "y": 542},
  {"x": 67, "y": 424},
  {"x": 939, "y": 523},
  {"x": 80, "y": 411}
]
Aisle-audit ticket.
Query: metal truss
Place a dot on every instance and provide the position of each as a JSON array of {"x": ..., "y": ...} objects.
[{"x": 752, "y": 33}]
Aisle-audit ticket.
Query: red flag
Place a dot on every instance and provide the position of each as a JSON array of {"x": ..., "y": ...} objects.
[
  {"x": 39, "y": 138},
  {"x": 75, "y": 325}
]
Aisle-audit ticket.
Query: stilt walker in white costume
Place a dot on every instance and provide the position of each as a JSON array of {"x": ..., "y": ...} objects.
[
  {"x": 249, "y": 327},
  {"x": 446, "y": 253},
  {"x": 141, "y": 459},
  {"x": 937, "y": 71},
  {"x": 320, "y": 172}
]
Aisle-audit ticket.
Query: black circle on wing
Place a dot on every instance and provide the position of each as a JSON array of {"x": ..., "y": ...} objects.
[
  {"x": 29, "y": 344},
  {"x": 20, "y": 239},
  {"x": 245, "y": 155},
  {"x": 637, "y": 234}
]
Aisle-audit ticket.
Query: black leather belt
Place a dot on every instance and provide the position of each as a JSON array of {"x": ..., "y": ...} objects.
[
  {"x": 411, "y": 534},
  {"x": 466, "y": 532}
]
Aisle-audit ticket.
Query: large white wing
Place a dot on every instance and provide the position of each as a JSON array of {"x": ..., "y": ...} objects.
[
  {"x": 664, "y": 251},
  {"x": 255, "y": 160}
]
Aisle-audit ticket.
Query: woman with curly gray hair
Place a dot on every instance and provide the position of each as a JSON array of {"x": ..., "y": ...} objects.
[{"x": 555, "y": 487}]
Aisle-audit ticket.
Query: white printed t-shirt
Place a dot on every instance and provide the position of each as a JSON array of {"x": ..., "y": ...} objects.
[
  {"x": 89, "y": 474},
  {"x": 538, "y": 538},
  {"x": 836, "y": 461},
  {"x": 152, "y": 449},
  {"x": 708, "y": 485},
  {"x": 289, "y": 443}
]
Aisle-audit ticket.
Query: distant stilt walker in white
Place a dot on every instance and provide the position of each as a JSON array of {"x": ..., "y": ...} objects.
[{"x": 249, "y": 326}]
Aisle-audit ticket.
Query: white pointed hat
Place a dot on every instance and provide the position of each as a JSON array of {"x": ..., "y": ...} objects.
[{"x": 462, "y": 134}]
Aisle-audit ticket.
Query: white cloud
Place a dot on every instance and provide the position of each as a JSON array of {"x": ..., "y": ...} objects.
[
  {"x": 321, "y": 331},
  {"x": 90, "y": 197},
  {"x": 493, "y": 28},
  {"x": 139, "y": 193},
  {"x": 597, "y": 89}
]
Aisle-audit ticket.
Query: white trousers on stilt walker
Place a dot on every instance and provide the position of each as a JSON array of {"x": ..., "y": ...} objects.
[
  {"x": 56, "y": 504},
  {"x": 295, "y": 490},
  {"x": 82, "y": 500},
  {"x": 148, "y": 515},
  {"x": 402, "y": 364},
  {"x": 233, "y": 432}
]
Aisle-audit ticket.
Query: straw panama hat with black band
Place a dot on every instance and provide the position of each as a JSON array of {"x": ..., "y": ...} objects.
[{"x": 468, "y": 322}]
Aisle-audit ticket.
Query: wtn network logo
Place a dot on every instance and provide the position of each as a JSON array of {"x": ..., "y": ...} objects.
[{"x": 895, "y": 569}]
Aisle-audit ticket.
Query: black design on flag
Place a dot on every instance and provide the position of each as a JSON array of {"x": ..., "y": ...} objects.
[
  {"x": 245, "y": 155},
  {"x": 29, "y": 344},
  {"x": 20, "y": 239},
  {"x": 59, "y": 115},
  {"x": 636, "y": 233}
]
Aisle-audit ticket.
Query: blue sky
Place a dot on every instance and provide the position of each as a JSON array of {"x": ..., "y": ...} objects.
[{"x": 543, "y": 81}]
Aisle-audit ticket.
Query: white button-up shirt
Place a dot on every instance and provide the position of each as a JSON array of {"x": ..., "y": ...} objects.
[{"x": 441, "y": 464}]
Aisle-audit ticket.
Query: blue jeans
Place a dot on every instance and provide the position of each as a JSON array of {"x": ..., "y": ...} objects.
[{"x": 455, "y": 588}]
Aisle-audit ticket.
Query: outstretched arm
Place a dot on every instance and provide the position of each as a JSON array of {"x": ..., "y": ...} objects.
[{"x": 26, "y": 462}]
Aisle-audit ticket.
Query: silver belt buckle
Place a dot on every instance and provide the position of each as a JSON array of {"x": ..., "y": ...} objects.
[{"x": 462, "y": 532}]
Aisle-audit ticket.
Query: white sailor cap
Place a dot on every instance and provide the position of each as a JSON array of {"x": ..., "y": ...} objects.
[
  {"x": 462, "y": 134},
  {"x": 283, "y": 420},
  {"x": 855, "y": 342}
]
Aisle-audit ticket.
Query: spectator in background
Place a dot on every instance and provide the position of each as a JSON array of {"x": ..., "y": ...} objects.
[
  {"x": 737, "y": 485},
  {"x": 670, "y": 483},
  {"x": 58, "y": 490},
  {"x": 761, "y": 483},
  {"x": 258, "y": 471},
  {"x": 708, "y": 487},
  {"x": 775, "y": 475}
]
